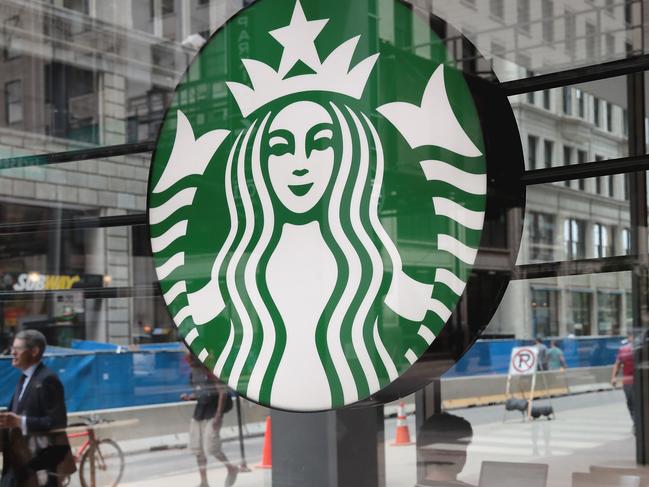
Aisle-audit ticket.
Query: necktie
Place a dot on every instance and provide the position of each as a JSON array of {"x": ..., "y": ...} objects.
[{"x": 19, "y": 389}]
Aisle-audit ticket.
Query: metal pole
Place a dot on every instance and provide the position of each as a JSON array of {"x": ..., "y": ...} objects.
[
  {"x": 243, "y": 467},
  {"x": 638, "y": 213},
  {"x": 529, "y": 405}
]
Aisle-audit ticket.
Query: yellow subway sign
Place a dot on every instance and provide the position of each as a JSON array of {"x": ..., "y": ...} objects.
[{"x": 35, "y": 281}]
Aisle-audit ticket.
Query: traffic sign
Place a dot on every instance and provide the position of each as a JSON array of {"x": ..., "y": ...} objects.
[{"x": 523, "y": 360}]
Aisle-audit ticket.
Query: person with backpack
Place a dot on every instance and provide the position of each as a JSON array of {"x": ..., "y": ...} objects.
[{"x": 212, "y": 402}]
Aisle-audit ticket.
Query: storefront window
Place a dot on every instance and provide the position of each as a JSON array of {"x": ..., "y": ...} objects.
[
  {"x": 580, "y": 321},
  {"x": 609, "y": 311},
  {"x": 545, "y": 316}
]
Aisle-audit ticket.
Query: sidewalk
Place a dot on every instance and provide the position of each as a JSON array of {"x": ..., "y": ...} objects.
[
  {"x": 598, "y": 434},
  {"x": 215, "y": 475},
  {"x": 228, "y": 433}
]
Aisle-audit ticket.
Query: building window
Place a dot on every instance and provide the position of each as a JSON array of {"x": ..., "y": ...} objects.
[
  {"x": 625, "y": 122},
  {"x": 547, "y": 12},
  {"x": 497, "y": 9},
  {"x": 598, "y": 180},
  {"x": 574, "y": 232},
  {"x": 611, "y": 186},
  {"x": 524, "y": 15},
  {"x": 628, "y": 12},
  {"x": 610, "y": 45},
  {"x": 545, "y": 312},
  {"x": 609, "y": 117},
  {"x": 608, "y": 313},
  {"x": 582, "y": 155},
  {"x": 532, "y": 150},
  {"x": 591, "y": 41},
  {"x": 567, "y": 155},
  {"x": 626, "y": 241},
  {"x": 628, "y": 305},
  {"x": 542, "y": 227},
  {"x": 571, "y": 32},
  {"x": 626, "y": 187},
  {"x": 78, "y": 5},
  {"x": 567, "y": 100},
  {"x": 567, "y": 159},
  {"x": 168, "y": 6},
  {"x": 14, "y": 102},
  {"x": 548, "y": 149},
  {"x": 596, "y": 112},
  {"x": 546, "y": 99},
  {"x": 579, "y": 313},
  {"x": 580, "y": 103},
  {"x": 602, "y": 240}
]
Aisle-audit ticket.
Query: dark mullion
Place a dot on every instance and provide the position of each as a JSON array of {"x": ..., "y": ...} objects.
[
  {"x": 582, "y": 74},
  {"x": 588, "y": 170},
  {"x": 558, "y": 79},
  {"x": 77, "y": 155},
  {"x": 73, "y": 224},
  {"x": 576, "y": 267},
  {"x": 537, "y": 176},
  {"x": 88, "y": 293}
]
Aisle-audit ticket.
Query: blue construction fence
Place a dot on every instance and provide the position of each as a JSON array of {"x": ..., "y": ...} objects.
[{"x": 105, "y": 376}]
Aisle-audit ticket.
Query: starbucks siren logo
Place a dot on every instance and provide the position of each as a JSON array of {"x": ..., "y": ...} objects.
[{"x": 275, "y": 258}]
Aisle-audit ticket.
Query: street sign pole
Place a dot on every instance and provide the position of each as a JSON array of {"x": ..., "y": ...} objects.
[{"x": 529, "y": 403}]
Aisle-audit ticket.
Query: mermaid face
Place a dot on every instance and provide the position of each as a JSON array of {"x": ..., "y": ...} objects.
[{"x": 301, "y": 157}]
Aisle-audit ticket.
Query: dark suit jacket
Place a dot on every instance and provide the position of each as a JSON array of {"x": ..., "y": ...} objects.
[{"x": 43, "y": 405}]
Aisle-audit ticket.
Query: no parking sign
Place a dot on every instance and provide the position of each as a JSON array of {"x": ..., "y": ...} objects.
[{"x": 523, "y": 360}]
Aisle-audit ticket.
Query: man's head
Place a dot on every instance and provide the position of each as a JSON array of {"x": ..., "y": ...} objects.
[
  {"x": 27, "y": 349},
  {"x": 442, "y": 443}
]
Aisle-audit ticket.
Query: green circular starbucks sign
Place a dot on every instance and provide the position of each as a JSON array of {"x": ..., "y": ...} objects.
[{"x": 316, "y": 201}]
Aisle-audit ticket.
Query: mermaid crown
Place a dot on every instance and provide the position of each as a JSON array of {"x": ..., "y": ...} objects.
[{"x": 333, "y": 74}]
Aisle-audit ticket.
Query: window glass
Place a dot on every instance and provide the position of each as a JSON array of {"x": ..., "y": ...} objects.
[
  {"x": 609, "y": 311},
  {"x": 574, "y": 235},
  {"x": 76, "y": 264},
  {"x": 14, "y": 102},
  {"x": 542, "y": 236},
  {"x": 545, "y": 312},
  {"x": 579, "y": 320}
]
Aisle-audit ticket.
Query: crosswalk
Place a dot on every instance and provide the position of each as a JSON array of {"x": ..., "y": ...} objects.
[{"x": 568, "y": 434}]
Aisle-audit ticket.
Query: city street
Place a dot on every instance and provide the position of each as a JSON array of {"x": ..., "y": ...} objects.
[{"x": 589, "y": 429}]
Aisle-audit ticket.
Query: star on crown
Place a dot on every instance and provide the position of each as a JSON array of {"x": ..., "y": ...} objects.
[{"x": 333, "y": 74}]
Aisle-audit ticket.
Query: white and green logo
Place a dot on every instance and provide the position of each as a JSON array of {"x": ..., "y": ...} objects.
[{"x": 316, "y": 200}]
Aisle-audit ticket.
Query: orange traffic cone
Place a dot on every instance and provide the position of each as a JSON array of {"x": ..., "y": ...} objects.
[
  {"x": 403, "y": 433},
  {"x": 267, "y": 454}
]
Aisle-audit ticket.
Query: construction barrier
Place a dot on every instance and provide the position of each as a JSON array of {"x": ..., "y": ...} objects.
[{"x": 104, "y": 376}]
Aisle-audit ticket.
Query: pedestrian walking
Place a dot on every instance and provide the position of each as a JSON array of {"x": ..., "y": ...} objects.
[
  {"x": 625, "y": 362},
  {"x": 212, "y": 402},
  {"x": 556, "y": 360}
]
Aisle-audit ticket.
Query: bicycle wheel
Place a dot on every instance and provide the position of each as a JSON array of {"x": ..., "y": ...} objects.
[{"x": 108, "y": 459}]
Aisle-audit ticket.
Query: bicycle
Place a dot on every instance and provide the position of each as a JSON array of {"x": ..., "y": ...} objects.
[{"x": 101, "y": 461}]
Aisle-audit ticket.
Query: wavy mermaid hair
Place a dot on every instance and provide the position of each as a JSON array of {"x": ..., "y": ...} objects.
[{"x": 349, "y": 222}]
